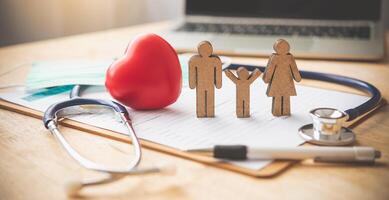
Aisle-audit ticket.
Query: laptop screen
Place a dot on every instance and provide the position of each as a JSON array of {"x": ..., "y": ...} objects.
[{"x": 299, "y": 9}]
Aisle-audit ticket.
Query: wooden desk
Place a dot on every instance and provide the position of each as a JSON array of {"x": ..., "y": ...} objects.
[{"x": 34, "y": 166}]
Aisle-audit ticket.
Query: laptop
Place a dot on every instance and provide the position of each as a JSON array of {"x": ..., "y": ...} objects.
[{"x": 323, "y": 29}]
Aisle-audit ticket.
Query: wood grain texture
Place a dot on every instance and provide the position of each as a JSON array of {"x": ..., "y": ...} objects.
[
  {"x": 34, "y": 166},
  {"x": 243, "y": 82},
  {"x": 280, "y": 74},
  {"x": 205, "y": 71}
]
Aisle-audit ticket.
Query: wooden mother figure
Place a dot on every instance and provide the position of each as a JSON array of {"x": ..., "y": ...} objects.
[{"x": 280, "y": 72}]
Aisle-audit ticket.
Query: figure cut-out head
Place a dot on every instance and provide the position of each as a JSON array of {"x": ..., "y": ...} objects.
[
  {"x": 281, "y": 46},
  {"x": 205, "y": 49},
  {"x": 243, "y": 73}
]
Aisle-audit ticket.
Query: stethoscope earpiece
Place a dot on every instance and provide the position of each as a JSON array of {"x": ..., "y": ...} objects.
[{"x": 74, "y": 187}]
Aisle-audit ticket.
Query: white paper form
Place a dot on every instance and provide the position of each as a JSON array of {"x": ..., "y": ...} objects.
[{"x": 178, "y": 127}]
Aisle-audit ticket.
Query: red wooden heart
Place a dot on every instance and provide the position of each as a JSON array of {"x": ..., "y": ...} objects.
[{"x": 148, "y": 76}]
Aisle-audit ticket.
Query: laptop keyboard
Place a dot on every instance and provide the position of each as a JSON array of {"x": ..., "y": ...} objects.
[{"x": 357, "y": 32}]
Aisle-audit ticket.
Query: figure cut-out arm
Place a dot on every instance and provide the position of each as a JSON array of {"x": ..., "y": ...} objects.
[
  {"x": 231, "y": 76},
  {"x": 218, "y": 72},
  {"x": 294, "y": 69},
  {"x": 254, "y": 75},
  {"x": 269, "y": 71},
  {"x": 192, "y": 74}
]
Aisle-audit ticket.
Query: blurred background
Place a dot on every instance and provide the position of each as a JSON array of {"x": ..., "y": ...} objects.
[
  {"x": 324, "y": 29},
  {"x": 31, "y": 20}
]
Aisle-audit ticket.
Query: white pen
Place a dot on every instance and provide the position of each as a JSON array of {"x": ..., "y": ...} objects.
[{"x": 322, "y": 154}]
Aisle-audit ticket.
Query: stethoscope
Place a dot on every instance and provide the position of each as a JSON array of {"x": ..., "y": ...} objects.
[
  {"x": 327, "y": 126},
  {"x": 326, "y": 129},
  {"x": 50, "y": 121}
]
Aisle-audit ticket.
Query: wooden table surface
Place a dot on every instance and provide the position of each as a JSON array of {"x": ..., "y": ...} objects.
[{"x": 34, "y": 166}]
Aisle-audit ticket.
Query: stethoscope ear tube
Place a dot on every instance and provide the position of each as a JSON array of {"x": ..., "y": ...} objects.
[
  {"x": 50, "y": 113},
  {"x": 352, "y": 113},
  {"x": 50, "y": 122}
]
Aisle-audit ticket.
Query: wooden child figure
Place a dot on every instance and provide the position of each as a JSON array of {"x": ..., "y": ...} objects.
[
  {"x": 243, "y": 82},
  {"x": 280, "y": 72},
  {"x": 205, "y": 73}
]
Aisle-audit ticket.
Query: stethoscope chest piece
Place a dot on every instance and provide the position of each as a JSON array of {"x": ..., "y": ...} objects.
[{"x": 327, "y": 128}]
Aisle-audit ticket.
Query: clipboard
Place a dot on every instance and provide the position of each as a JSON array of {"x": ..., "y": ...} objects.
[{"x": 275, "y": 168}]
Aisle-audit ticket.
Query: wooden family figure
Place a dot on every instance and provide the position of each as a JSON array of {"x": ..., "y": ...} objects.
[
  {"x": 205, "y": 73},
  {"x": 280, "y": 72},
  {"x": 243, "y": 82}
]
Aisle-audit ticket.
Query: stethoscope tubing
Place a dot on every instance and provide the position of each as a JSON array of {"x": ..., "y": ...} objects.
[
  {"x": 50, "y": 122},
  {"x": 50, "y": 113},
  {"x": 353, "y": 113}
]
